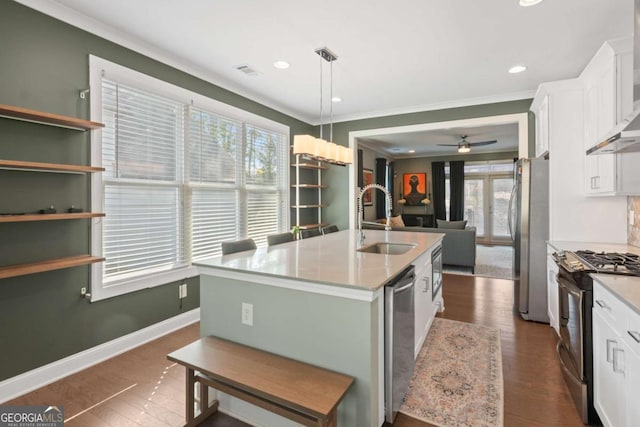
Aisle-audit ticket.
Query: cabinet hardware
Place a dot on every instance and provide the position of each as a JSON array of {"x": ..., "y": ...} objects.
[
  {"x": 635, "y": 335},
  {"x": 609, "y": 352},
  {"x": 425, "y": 279},
  {"x": 616, "y": 368},
  {"x": 602, "y": 304}
]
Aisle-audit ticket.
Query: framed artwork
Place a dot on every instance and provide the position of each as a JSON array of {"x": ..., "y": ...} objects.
[
  {"x": 367, "y": 178},
  {"x": 414, "y": 188}
]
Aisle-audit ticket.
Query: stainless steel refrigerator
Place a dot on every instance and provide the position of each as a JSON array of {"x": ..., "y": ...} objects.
[{"x": 529, "y": 225}]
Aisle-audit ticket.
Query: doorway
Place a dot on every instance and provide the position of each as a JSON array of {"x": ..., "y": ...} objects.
[{"x": 487, "y": 189}]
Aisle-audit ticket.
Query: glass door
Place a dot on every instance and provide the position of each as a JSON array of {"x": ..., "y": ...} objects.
[{"x": 499, "y": 210}]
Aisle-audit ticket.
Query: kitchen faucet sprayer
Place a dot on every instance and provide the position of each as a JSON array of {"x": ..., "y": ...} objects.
[{"x": 387, "y": 195}]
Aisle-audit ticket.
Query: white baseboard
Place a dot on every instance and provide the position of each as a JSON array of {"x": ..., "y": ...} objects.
[{"x": 39, "y": 377}]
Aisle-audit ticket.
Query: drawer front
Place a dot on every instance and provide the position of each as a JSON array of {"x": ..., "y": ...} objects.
[
  {"x": 631, "y": 334},
  {"x": 609, "y": 307}
]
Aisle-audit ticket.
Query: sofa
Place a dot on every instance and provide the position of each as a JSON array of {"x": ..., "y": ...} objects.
[{"x": 458, "y": 245}]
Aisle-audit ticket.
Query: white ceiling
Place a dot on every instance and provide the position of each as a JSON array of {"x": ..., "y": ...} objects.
[
  {"x": 394, "y": 56},
  {"x": 425, "y": 143}
]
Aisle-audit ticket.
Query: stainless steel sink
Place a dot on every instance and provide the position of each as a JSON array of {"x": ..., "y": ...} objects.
[{"x": 386, "y": 248}]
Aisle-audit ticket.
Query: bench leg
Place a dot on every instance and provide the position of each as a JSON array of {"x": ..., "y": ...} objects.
[
  {"x": 331, "y": 420},
  {"x": 205, "y": 409}
]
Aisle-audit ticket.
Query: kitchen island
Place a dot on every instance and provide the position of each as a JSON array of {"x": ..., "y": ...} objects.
[{"x": 320, "y": 301}]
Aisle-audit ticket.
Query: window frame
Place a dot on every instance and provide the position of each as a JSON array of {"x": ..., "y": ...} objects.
[{"x": 99, "y": 68}]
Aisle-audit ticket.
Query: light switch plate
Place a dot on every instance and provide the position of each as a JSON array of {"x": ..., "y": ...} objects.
[{"x": 632, "y": 216}]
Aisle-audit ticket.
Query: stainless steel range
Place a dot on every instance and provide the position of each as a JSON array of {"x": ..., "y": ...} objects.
[{"x": 575, "y": 291}]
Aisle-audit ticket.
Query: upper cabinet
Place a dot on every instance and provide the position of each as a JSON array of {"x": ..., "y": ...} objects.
[
  {"x": 608, "y": 99},
  {"x": 542, "y": 126}
]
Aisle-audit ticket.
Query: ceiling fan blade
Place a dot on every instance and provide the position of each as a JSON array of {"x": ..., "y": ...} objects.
[
  {"x": 478, "y": 144},
  {"x": 449, "y": 145}
]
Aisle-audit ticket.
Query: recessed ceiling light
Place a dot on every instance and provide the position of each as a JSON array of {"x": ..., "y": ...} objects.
[
  {"x": 412, "y": 151},
  {"x": 282, "y": 65},
  {"x": 517, "y": 69},
  {"x": 527, "y": 3},
  {"x": 336, "y": 99}
]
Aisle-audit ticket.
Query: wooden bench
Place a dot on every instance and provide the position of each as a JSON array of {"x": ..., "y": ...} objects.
[{"x": 301, "y": 392}]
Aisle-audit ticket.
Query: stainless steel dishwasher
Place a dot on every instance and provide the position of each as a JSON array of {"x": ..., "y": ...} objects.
[{"x": 399, "y": 340}]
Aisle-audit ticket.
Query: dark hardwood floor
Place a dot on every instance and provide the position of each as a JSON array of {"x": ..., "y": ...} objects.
[{"x": 142, "y": 388}]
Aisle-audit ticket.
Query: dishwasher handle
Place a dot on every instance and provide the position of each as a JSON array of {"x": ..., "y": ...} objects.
[{"x": 403, "y": 288}]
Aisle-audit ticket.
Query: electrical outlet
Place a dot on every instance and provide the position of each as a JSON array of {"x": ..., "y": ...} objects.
[
  {"x": 247, "y": 314},
  {"x": 182, "y": 291}
]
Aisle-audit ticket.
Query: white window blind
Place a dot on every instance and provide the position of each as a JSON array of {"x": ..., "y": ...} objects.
[
  {"x": 141, "y": 153},
  {"x": 183, "y": 173}
]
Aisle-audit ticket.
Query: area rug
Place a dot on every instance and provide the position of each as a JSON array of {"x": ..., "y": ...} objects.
[
  {"x": 491, "y": 261},
  {"x": 457, "y": 380}
]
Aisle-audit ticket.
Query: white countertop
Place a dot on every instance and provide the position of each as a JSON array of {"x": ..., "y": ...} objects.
[
  {"x": 594, "y": 246},
  {"x": 330, "y": 259},
  {"x": 627, "y": 288}
]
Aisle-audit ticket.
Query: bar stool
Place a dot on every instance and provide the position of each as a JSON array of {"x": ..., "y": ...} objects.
[{"x": 237, "y": 246}]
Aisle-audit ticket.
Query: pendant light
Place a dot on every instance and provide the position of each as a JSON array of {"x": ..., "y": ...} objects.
[{"x": 319, "y": 148}]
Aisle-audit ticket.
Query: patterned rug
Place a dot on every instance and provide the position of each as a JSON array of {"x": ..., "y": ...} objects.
[{"x": 457, "y": 380}]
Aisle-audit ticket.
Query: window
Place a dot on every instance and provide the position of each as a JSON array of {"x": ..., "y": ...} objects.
[
  {"x": 487, "y": 189},
  {"x": 182, "y": 174}
]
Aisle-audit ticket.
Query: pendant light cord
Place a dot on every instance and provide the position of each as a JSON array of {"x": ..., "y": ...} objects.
[
  {"x": 320, "y": 58},
  {"x": 331, "y": 101}
]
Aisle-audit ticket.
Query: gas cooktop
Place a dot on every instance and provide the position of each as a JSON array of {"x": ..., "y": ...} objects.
[{"x": 601, "y": 262}]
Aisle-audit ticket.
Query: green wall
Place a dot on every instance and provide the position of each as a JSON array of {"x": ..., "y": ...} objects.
[
  {"x": 43, "y": 65},
  {"x": 337, "y": 196}
]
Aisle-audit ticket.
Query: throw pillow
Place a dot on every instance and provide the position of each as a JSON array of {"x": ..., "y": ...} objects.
[
  {"x": 396, "y": 221},
  {"x": 458, "y": 225}
]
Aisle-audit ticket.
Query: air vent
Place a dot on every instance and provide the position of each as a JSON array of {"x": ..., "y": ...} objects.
[{"x": 247, "y": 70}]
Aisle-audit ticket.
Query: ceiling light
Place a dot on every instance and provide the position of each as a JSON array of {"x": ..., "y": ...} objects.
[
  {"x": 464, "y": 148},
  {"x": 318, "y": 148},
  {"x": 517, "y": 69},
  {"x": 336, "y": 99},
  {"x": 527, "y": 3},
  {"x": 282, "y": 65},
  {"x": 412, "y": 151}
]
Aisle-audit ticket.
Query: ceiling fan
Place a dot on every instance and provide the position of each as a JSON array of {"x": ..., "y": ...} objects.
[{"x": 465, "y": 147}]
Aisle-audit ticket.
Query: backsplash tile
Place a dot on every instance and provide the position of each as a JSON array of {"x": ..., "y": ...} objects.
[{"x": 633, "y": 231}]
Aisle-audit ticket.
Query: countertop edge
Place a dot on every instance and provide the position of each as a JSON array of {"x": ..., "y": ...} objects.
[{"x": 607, "y": 281}]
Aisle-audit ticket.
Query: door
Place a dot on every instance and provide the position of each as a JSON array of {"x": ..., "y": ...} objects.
[
  {"x": 486, "y": 204},
  {"x": 608, "y": 386}
]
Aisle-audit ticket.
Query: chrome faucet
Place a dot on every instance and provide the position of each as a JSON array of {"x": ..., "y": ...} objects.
[{"x": 387, "y": 195}]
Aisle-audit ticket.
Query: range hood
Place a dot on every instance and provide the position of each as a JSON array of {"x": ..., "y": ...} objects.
[{"x": 625, "y": 138}]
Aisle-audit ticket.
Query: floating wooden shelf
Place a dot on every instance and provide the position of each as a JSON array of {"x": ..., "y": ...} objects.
[
  {"x": 308, "y": 186},
  {"x": 309, "y": 166},
  {"x": 49, "y": 119},
  {"x": 47, "y": 167},
  {"x": 309, "y": 226},
  {"x": 49, "y": 265},
  {"x": 49, "y": 217}
]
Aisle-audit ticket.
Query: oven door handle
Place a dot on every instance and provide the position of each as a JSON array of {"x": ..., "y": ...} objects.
[{"x": 569, "y": 287}]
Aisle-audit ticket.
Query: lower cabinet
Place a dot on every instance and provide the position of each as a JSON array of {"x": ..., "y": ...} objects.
[
  {"x": 552, "y": 294},
  {"x": 425, "y": 309},
  {"x": 608, "y": 381},
  {"x": 616, "y": 360}
]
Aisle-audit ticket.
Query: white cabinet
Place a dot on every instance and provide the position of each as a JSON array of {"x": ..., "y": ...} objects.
[
  {"x": 608, "y": 384},
  {"x": 552, "y": 292},
  {"x": 425, "y": 309},
  {"x": 608, "y": 99},
  {"x": 542, "y": 127},
  {"x": 616, "y": 359}
]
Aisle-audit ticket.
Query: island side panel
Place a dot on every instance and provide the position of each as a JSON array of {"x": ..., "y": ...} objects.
[{"x": 332, "y": 332}]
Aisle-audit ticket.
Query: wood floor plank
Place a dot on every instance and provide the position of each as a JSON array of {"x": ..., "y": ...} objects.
[{"x": 535, "y": 393}]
